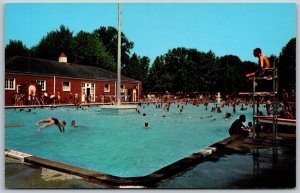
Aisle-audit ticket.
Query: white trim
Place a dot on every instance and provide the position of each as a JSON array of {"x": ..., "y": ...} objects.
[
  {"x": 54, "y": 86},
  {"x": 84, "y": 87},
  {"x": 93, "y": 99},
  {"x": 138, "y": 93}
]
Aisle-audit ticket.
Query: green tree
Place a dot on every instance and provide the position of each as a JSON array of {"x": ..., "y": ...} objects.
[
  {"x": 88, "y": 50},
  {"x": 54, "y": 43},
  {"x": 109, "y": 38},
  {"x": 287, "y": 66},
  {"x": 232, "y": 73},
  {"x": 158, "y": 78},
  {"x": 16, "y": 48},
  {"x": 183, "y": 71},
  {"x": 137, "y": 67}
]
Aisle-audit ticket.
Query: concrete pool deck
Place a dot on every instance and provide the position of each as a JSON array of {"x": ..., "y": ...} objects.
[{"x": 237, "y": 164}]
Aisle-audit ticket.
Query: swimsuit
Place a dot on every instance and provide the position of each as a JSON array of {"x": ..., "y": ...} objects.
[{"x": 55, "y": 121}]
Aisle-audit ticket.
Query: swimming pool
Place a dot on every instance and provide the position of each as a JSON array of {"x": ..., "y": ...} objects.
[{"x": 119, "y": 145}]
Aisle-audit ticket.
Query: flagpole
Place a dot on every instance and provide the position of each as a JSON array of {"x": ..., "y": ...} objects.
[{"x": 119, "y": 55}]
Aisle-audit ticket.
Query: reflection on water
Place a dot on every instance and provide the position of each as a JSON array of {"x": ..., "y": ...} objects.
[{"x": 261, "y": 156}]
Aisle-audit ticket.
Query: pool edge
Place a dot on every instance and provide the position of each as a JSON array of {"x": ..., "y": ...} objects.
[{"x": 140, "y": 182}]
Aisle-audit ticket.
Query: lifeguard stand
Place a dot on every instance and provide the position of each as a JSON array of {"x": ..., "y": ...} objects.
[{"x": 271, "y": 74}]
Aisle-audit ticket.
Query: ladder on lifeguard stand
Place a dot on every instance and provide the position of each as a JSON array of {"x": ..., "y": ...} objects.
[{"x": 271, "y": 76}]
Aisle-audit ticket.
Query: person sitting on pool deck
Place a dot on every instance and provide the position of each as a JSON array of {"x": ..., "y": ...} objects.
[
  {"x": 60, "y": 124},
  {"x": 237, "y": 128}
]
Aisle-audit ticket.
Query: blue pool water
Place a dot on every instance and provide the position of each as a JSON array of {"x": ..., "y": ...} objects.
[{"x": 119, "y": 144}]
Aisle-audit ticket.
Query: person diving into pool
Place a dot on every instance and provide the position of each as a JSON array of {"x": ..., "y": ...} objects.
[{"x": 50, "y": 121}]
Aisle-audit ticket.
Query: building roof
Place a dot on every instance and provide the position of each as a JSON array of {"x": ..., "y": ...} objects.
[{"x": 35, "y": 66}]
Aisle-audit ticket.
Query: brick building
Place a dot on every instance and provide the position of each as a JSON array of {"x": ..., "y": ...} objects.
[{"x": 32, "y": 79}]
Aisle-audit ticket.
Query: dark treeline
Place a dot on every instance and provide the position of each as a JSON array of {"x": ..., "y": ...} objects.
[{"x": 181, "y": 70}]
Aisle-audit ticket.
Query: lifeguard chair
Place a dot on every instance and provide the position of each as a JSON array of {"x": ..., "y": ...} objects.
[{"x": 271, "y": 74}]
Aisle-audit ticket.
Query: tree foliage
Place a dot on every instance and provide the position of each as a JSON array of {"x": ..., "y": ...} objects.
[
  {"x": 137, "y": 67},
  {"x": 287, "y": 66},
  {"x": 16, "y": 48},
  {"x": 109, "y": 38},
  {"x": 54, "y": 43},
  {"x": 184, "y": 71},
  {"x": 88, "y": 50}
]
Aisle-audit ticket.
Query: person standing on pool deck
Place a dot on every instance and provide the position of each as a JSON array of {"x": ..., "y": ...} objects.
[{"x": 60, "y": 124}]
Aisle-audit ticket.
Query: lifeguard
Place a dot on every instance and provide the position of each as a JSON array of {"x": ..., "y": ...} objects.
[{"x": 263, "y": 63}]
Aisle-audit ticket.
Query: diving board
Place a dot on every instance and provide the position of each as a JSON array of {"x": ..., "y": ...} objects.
[{"x": 280, "y": 121}]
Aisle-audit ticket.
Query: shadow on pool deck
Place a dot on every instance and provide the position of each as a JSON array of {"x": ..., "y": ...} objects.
[{"x": 240, "y": 164}]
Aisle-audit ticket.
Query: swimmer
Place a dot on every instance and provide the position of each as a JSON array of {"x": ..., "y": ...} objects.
[
  {"x": 51, "y": 121},
  {"x": 146, "y": 125},
  {"x": 73, "y": 123},
  {"x": 227, "y": 116}
]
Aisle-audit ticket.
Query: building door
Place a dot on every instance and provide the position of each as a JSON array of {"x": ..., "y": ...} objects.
[
  {"x": 87, "y": 92},
  {"x": 134, "y": 95}
]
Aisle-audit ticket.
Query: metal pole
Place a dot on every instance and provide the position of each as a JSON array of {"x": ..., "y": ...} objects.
[
  {"x": 253, "y": 103},
  {"x": 274, "y": 79},
  {"x": 54, "y": 89},
  {"x": 138, "y": 93},
  {"x": 119, "y": 54}
]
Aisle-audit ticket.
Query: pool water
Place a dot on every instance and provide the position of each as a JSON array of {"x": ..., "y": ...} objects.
[{"x": 118, "y": 144}]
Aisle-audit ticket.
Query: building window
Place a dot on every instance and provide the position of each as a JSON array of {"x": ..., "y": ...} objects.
[
  {"x": 66, "y": 86},
  {"x": 10, "y": 84},
  {"x": 42, "y": 83},
  {"x": 106, "y": 88},
  {"x": 122, "y": 88}
]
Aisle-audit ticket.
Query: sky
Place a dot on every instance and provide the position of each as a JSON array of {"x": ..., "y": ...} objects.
[{"x": 155, "y": 28}]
